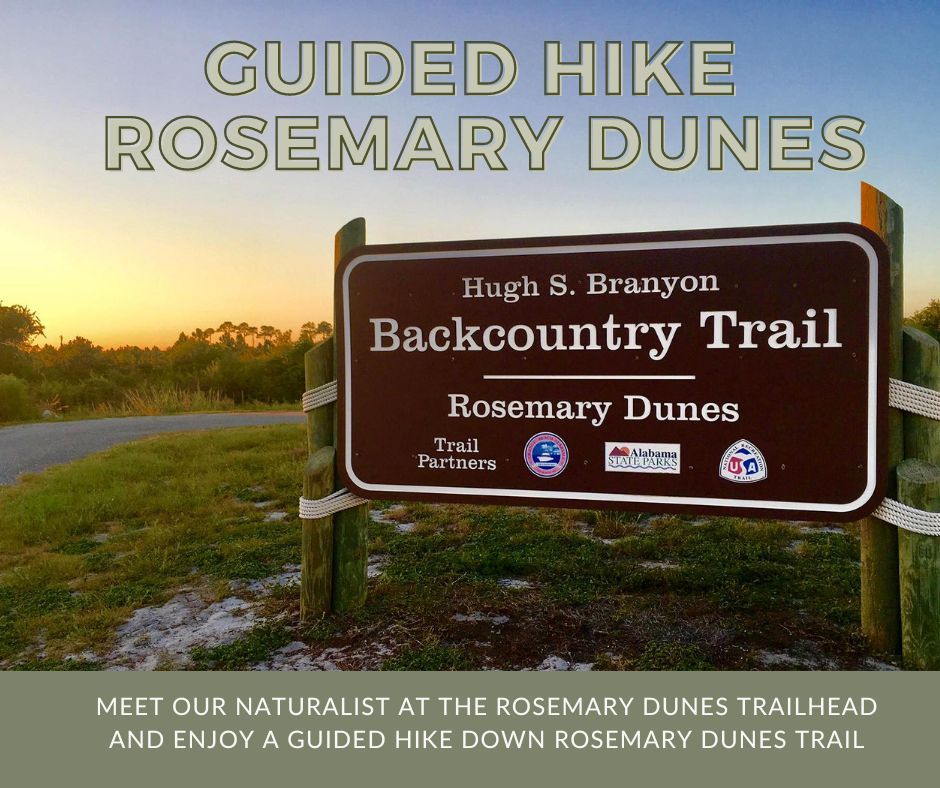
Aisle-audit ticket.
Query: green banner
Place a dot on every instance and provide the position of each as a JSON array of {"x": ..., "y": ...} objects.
[{"x": 458, "y": 729}]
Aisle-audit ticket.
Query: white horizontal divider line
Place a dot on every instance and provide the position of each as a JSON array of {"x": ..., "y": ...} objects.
[{"x": 589, "y": 377}]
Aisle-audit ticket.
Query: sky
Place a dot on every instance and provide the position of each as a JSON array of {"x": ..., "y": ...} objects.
[{"x": 135, "y": 257}]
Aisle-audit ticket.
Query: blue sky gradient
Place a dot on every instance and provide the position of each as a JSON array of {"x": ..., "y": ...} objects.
[{"x": 135, "y": 257}]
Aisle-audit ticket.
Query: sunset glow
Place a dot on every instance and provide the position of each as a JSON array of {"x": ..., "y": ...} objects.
[{"x": 136, "y": 257}]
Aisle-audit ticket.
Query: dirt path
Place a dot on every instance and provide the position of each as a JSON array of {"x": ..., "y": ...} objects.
[{"x": 34, "y": 447}]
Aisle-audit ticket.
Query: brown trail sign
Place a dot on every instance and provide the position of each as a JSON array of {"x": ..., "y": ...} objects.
[
  {"x": 721, "y": 371},
  {"x": 738, "y": 371}
]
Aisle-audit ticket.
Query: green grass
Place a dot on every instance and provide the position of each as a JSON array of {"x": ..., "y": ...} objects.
[
  {"x": 659, "y": 655},
  {"x": 430, "y": 657},
  {"x": 255, "y": 647},
  {"x": 84, "y": 545},
  {"x": 168, "y": 506}
]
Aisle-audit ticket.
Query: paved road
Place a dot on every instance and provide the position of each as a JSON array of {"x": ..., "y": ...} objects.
[{"x": 34, "y": 447}]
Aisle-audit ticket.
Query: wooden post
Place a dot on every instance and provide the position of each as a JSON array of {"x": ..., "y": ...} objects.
[
  {"x": 351, "y": 526},
  {"x": 879, "y": 540},
  {"x": 318, "y": 369},
  {"x": 919, "y": 486},
  {"x": 922, "y": 368},
  {"x": 316, "y": 556}
]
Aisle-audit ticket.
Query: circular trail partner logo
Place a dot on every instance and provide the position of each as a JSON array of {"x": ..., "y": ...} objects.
[
  {"x": 743, "y": 462},
  {"x": 546, "y": 454}
]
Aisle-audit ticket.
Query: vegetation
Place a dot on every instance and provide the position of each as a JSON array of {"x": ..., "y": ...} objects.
[
  {"x": 430, "y": 657},
  {"x": 14, "y": 399},
  {"x": 256, "y": 646},
  {"x": 207, "y": 369},
  {"x": 928, "y": 318},
  {"x": 83, "y": 546}
]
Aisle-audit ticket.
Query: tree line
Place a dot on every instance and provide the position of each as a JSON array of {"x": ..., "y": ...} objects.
[{"x": 235, "y": 362}]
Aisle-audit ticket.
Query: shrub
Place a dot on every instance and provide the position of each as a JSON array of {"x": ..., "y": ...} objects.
[
  {"x": 14, "y": 399},
  {"x": 928, "y": 318}
]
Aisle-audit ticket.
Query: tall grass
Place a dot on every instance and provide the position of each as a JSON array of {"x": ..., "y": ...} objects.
[{"x": 157, "y": 400}]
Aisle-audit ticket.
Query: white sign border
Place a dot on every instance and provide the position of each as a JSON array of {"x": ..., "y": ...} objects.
[{"x": 841, "y": 237}]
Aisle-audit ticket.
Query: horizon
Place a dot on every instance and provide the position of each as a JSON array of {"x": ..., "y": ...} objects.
[{"x": 46, "y": 341}]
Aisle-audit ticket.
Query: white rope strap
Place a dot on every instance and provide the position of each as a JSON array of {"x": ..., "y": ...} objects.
[
  {"x": 914, "y": 399},
  {"x": 321, "y": 395},
  {"x": 924, "y": 402},
  {"x": 314, "y": 509},
  {"x": 908, "y": 518}
]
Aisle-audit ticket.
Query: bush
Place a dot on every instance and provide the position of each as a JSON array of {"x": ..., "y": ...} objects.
[
  {"x": 927, "y": 319},
  {"x": 14, "y": 400}
]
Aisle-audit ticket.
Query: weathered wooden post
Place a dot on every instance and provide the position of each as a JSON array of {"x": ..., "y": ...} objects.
[
  {"x": 316, "y": 563},
  {"x": 334, "y": 549},
  {"x": 879, "y": 540},
  {"x": 919, "y": 487},
  {"x": 316, "y": 568},
  {"x": 351, "y": 526}
]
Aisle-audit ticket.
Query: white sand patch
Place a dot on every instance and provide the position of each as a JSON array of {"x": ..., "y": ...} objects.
[
  {"x": 167, "y": 633},
  {"x": 821, "y": 529},
  {"x": 870, "y": 663},
  {"x": 658, "y": 564},
  {"x": 514, "y": 583},
  {"x": 804, "y": 657},
  {"x": 385, "y": 515},
  {"x": 289, "y": 577},
  {"x": 586, "y": 530},
  {"x": 376, "y": 566},
  {"x": 299, "y": 656},
  {"x": 553, "y": 662},
  {"x": 496, "y": 620},
  {"x": 84, "y": 656},
  {"x": 779, "y": 659}
]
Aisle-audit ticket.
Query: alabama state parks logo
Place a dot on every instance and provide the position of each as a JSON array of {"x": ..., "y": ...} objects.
[
  {"x": 545, "y": 454},
  {"x": 632, "y": 457},
  {"x": 743, "y": 462}
]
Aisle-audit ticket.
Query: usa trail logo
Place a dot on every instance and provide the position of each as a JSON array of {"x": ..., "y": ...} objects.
[
  {"x": 546, "y": 454},
  {"x": 642, "y": 457},
  {"x": 743, "y": 462}
]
